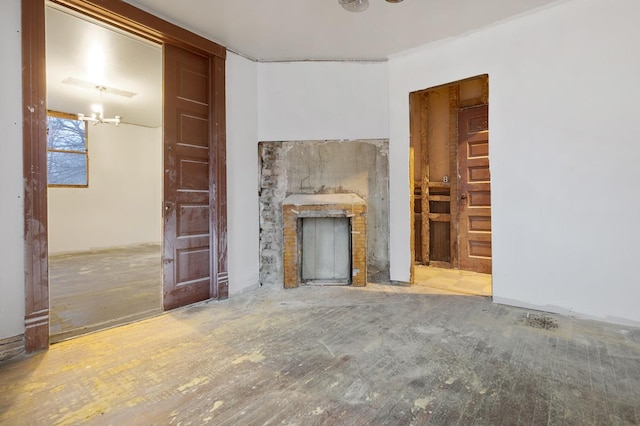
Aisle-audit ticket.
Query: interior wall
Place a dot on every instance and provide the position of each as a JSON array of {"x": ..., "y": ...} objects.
[
  {"x": 242, "y": 173},
  {"x": 563, "y": 151},
  {"x": 122, "y": 204},
  {"x": 322, "y": 100},
  {"x": 306, "y": 102},
  {"x": 11, "y": 189}
]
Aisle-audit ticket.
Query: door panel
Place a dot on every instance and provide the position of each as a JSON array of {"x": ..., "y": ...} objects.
[
  {"x": 474, "y": 198},
  {"x": 187, "y": 261}
]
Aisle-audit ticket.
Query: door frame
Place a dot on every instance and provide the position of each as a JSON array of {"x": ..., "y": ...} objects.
[
  {"x": 34, "y": 111},
  {"x": 418, "y": 137}
]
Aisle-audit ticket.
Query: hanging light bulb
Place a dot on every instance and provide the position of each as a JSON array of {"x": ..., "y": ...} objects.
[{"x": 354, "y": 5}]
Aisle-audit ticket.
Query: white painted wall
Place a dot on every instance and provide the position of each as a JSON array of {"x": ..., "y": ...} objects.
[
  {"x": 123, "y": 203},
  {"x": 242, "y": 173},
  {"x": 11, "y": 188},
  {"x": 322, "y": 100},
  {"x": 563, "y": 88}
]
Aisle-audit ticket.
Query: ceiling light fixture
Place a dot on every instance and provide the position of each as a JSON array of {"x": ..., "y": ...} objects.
[
  {"x": 92, "y": 85},
  {"x": 98, "y": 117},
  {"x": 359, "y": 5},
  {"x": 354, "y": 5}
]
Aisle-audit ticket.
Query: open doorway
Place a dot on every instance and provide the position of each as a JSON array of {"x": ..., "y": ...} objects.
[
  {"x": 451, "y": 183},
  {"x": 105, "y": 175},
  {"x": 194, "y": 244}
]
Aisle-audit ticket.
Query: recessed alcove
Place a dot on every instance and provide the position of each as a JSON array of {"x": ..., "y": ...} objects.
[{"x": 324, "y": 167}]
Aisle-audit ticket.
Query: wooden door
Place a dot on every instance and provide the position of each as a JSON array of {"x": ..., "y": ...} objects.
[
  {"x": 474, "y": 190},
  {"x": 187, "y": 253}
]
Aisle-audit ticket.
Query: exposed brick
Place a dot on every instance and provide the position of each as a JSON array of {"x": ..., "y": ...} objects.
[{"x": 271, "y": 198}]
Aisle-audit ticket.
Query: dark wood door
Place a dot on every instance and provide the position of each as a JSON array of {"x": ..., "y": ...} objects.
[
  {"x": 187, "y": 253},
  {"x": 474, "y": 190}
]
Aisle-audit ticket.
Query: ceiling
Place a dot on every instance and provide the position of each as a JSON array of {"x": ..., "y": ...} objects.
[
  {"x": 273, "y": 30},
  {"x": 83, "y": 50},
  {"x": 283, "y": 30}
]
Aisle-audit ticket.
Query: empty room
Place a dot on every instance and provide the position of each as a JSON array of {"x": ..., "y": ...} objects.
[{"x": 319, "y": 212}]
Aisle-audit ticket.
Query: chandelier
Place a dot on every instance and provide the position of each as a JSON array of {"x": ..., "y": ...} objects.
[{"x": 97, "y": 117}]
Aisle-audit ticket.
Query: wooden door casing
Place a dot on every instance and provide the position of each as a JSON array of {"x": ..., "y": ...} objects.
[
  {"x": 34, "y": 148},
  {"x": 474, "y": 189}
]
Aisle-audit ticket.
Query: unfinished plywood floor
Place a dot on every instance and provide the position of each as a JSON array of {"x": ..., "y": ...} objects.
[
  {"x": 454, "y": 280},
  {"x": 389, "y": 355},
  {"x": 99, "y": 289}
]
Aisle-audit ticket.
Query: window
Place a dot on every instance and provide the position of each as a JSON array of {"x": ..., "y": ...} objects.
[{"x": 67, "y": 158}]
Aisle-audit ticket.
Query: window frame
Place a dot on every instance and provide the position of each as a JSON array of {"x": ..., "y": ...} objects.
[{"x": 64, "y": 115}]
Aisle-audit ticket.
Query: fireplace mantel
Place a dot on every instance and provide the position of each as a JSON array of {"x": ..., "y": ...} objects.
[
  {"x": 323, "y": 199},
  {"x": 298, "y": 206}
]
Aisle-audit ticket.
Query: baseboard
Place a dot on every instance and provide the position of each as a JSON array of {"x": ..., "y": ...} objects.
[
  {"x": 247, "y": 289},
  {"x": 566, "y": 312},
  {"x": 11, "y": 347}
]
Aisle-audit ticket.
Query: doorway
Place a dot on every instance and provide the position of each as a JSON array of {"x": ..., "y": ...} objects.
[
  {"x": 105, "y": 203},
  {"x": 194, "y": 122},
  {"x": 451, "y": 200}
]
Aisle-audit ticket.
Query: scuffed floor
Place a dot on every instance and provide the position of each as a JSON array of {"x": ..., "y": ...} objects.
[
  {"x": 98, "y": 289},
  {"x": 383, "y": 354}
]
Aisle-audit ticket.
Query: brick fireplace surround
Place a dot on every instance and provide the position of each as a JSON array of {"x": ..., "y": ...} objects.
[{"x": 299, "y": 206}]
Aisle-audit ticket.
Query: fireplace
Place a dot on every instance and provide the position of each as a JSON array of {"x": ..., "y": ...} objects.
[
  {"x": 325, "y": 243},
  {"x": 324, "y": 239}
]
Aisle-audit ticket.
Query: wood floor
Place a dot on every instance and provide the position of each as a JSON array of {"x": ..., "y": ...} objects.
[
  {"x": 99, "y": 289},
  {"x": 379, "y": 355},
  {"x": 454, "y": 280}
]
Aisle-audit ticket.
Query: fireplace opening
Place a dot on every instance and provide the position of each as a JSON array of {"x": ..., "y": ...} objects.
[
  {"x": 325, "y": 239},
  {"x": 325, "y": 250}
]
